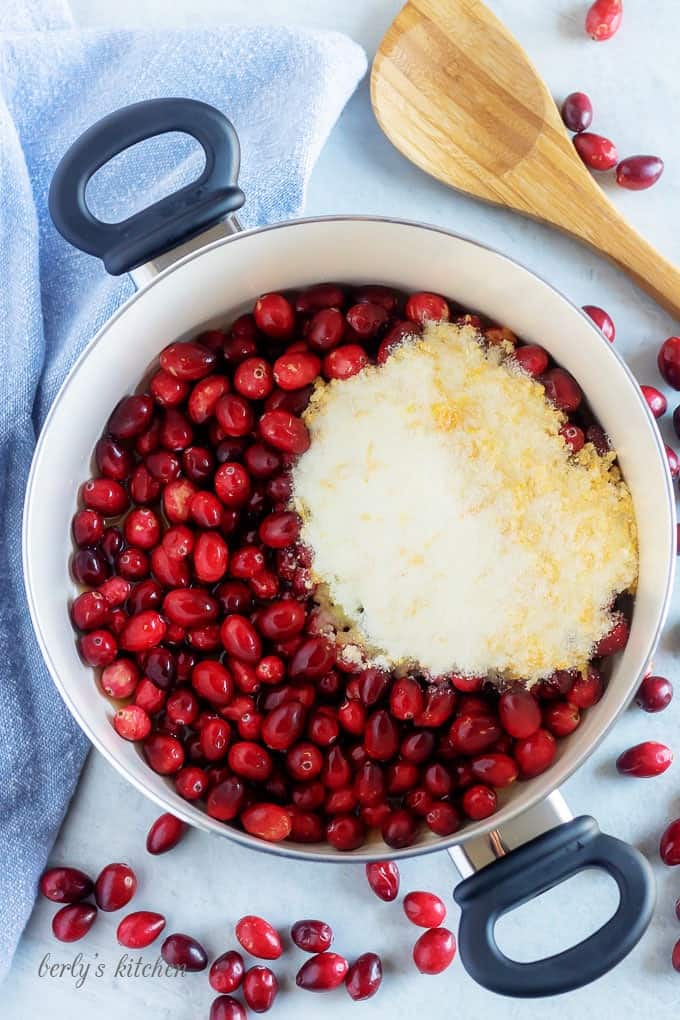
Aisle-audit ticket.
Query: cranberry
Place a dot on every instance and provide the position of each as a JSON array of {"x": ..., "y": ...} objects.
[
  {"x": 424, "y": 909},
  {"x": 602, "y": 320},
  {"x": 400, "y": 829},
  {"x": 669, "y": 847},
  {"x": 214, "y": 739},
  {"x": 434, "y": 951},
  {"x": 89, "y": 610},
  {"x": 98, "y": 647},
  {"x": 364, "y": 977},
  {"x": 577, "y": 111},
  {"x": 143, "y": 631},
  {"x": 675, "y": 956},
  {"x": 294, "y": 371},
  {"x": 66, "y": 885},
  {"x": 267, "y": 821},
  {"x": 406, "y": 698},
  {"x": 573, "y": 437},
  {"x": 381, "y": 737},
  {"x": 326, "y": 330},
  {"x": 367, "y": 318},
  {"x": 396, "y": 334},
  {"x": 185, "y": 952},
  {"x": 204, "y": 397},
  {"x": 519, "y": 713},
  {"x": 260, "y": 988},
  {"x": 213, "y": 682},
  {"x": 312, "y": 936},
  {"x": 89, "y": 567},
  {"x": 149, "y": 697},
  {"x": 73, "y": 921},
  {"x": 226, "y": 972},
  {"x": 88, "y": 527},
  {"x": 471, "y": 734},
  {"x": 234, "y": 415},
  {"x": 240, "y": 639},
  {"x": 191, "y": 783},
  {"x": 321, "y": 295},
  {"x": 603, "y": 19},
  {"x": 164, "y": 834},
  {"x": 344, "y": 362},
  {"x": 345, "y": 831},
  {"x": 281, "y": 619},
  {"x": 224, "y": 1007},
  {"x": 190, "y": 606},
  {"x": 258, "y": 937},
  {"x": 187, "y": 361},
  {"x": 132, "y": 723},
  {"x": 668, "y": 361},
  {"x": 535, "y": 754},
  {"x": 532, "y": 360},
  {"x": 562, "y": 390},
  {"x": 274, "y": 316},
  {"x": 654, "y": 694},
  {"x": 615, "y": 639},
  {"x": 424, "y": 307},
  {"x": 596, "y": 151},
  {"x": 645, "y": 760},
  {"x": 561, "y": 718},
  {"x": 164, "y": 753},
  {"x": 113, "y": 459},
  {"x": 167, "y": 390},
  {"x": 140, "y": 929},
  {"x": 115, "y": 886},
  {"x": 322, "y": 973},
  {"x": 479, "y": 802}
]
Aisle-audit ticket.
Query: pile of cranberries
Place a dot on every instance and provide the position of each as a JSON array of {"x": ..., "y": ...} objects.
[
  {"x": 199, "y": 608},
  {"x": 324, "y": 971}
]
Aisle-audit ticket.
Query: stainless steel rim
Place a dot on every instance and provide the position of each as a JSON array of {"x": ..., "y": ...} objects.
[{"x": 507, "y": 813}]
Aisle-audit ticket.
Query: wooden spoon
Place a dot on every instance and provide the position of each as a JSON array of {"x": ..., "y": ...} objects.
[{"x": 457, "y": 95}]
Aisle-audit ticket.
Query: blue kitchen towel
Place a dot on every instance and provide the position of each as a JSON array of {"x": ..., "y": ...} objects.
[{"x": 283, "y": 89}]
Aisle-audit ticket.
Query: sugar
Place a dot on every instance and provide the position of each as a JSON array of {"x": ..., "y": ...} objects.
[{"x": 450, "y": 526}]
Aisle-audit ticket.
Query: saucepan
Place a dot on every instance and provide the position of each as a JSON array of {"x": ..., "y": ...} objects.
[{"x": 194, "y": 268}]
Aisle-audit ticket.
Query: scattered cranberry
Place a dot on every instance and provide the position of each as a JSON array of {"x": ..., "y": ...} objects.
[
  {"x": 312, "y": 936},
  {"x": 164, "y": 834},
  {"x": 424, "y": 909},
  {"x": 115, "y": 886},
  {"x": 675, "y": 956},
  {"x": 260, "y": 988},
  {"x": 669, "y": 847},
  {"x": 645, "y": 760},
  {"x": 596, "y": 151},
  {"x": 577, "y": 111},
  {"x": 73, "y": 921},
  {"x": 383, "y": 878},
  {"x": 259, "y": 938},
  {"x": 322, "y": 973},
  {"x": 227, "y": 1008},
  {"x": 656, "y": 401},
  {"x": 434, "y": 951},
  {"x": 364, "y": 977},
  {"x": 183, "y": 951},
  {"x": 603, "y": 19},
  {"x": 637, "y": 173},
  {"x": 669, "y": 361},
  {"x": 139, "y": 930},
  {"x": 602, "y": 320},
  {"x": 673, "y": 461},
  {"x": 226, "y": 972},
  {"x": 654, "y": 694},
  {"x": 65, "y": 885}
]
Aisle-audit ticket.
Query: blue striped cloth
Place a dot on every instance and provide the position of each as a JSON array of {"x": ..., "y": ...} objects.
[{"x": 283, "y": 89}]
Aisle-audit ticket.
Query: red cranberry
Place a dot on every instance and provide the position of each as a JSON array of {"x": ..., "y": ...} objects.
[
  {"x": 603, "y": 19},
  {"x": 573, "y": 437},
  {"x": 669, "y": 847},
  {"x": 143, "y": 631},
  {"x": 113, "y": 459},
  {"x": 274, "y": 316},
  {"x": 406, "y": 698},
  {"x": 294, "y": 371},
  {"x": 400, "y": 829},
  {"x": 98, "y": 647},
  {"x": 562, "y": 390},
  {"x": 183, "y": 951},
  {"x": 234, "y": 415},
  {"x": 226, "y": 972},
  {"x": 65, "y": 885},
  {"x": 88, "y": 527},
  {"x": 191, "y": 783},
  {"x": 596, "y": 151},
  {"x": 224, "y": 1007},
  {"x": 654, "y": 694},
  {"x": 204, "y": 397},
  {"x": 519, "y": 713},
  {"x": 471, "y": 734},
  {"x": 367, "y": 318},
  {"x": 479, "y": 802},
  {"x": 325, "y": 330},
  {"x": 395, "y": 335},
  {"x": 345, "y": 832},
  {"x": 532, "y": 360},
  {"x": 281, "y": 619},
  {"x": 106, "y": 496},
  {"x": 164, "y": 834},
  {"x": 115, "y": 886},
  {"x": 226, "y": 800},
  {"x": 668, "y": 361},
  {"x": 615, "y": 639},
  {"x": 434, "y": 951},
  {"x": 267, "y": 821},
  {"x": 344, "y": 362},
  {"x": 560, "y": 718},
  {"x": 89, "y": 610},
  {"x": 321, "y": 295},
  {"x": 260, "y": 988},
  {"x": 164, "y": 753},
  {"x": 73, "y": 921},
  {"x": 240, "y": 639},
  {"x": 424, "y": 307},
  {"x": 645, "y": 760},
  {"x": 322, "y": 973},
  {"x": 675, "y": 956},
  {"x": 258, "y": 937},
  {"x": 132, "y": 723},
  {"x": 381, "y": 737},
  {"x": 383, "y": 878},
  {"x": 602, "y": 320},
  {"x": 140, "y": 929},
  {"x": 190, "y": 606},
  {"x": 577, "y": 111},
  {"x": 364, "y": 977},
  {"x": 312, "y": 936},
  {"x": 167, "y": 390},
  {"x": 495, "y": 768},
  {"x": 424, "y": 909},
  {"x": 535, "y": 754},
  {"x": 89, "y": 567},
  {"x": 187, "y": 361}
]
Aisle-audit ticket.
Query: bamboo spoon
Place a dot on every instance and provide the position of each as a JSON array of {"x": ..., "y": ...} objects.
[{"x": 457, "y": 95}]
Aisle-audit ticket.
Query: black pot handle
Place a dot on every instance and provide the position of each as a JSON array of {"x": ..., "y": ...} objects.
[
  {"x": 167, "y": 223},
  {"x": 527, "y": 872}
]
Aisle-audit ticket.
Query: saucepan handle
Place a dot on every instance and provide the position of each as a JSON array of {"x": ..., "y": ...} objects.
[
  {"x": 533, "y": 868},
  {"x": 167, "y": 223}
]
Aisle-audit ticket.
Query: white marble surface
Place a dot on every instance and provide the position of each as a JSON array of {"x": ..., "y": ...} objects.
[{"x": 206, "y": 884}]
